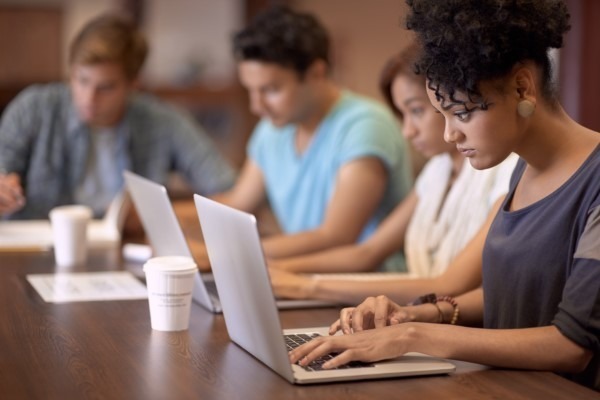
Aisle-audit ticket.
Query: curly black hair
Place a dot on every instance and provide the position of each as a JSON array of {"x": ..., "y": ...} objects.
[
  {"x": 467, "y": 42},
  {"x": 281, "y": 36}
]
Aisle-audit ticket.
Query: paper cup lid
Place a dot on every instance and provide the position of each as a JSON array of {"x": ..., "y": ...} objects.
[
  {"x": 70, "y": 211},
  {"x": 170, "y": 264}
]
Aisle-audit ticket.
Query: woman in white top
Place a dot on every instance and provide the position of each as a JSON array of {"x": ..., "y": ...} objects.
[{"x": 449, "y": 204}]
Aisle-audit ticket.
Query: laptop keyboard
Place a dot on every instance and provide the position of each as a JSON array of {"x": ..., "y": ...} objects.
[
  {"x": 295, "y": 340},
  {"x": 211, "y": 288}
]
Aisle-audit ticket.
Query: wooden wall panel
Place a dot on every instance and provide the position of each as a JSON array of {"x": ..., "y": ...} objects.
[
  {"x": 30, "y": 45},
  {"x": 580, "y": 64}
]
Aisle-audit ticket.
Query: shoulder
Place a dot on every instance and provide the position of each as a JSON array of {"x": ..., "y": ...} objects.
[
  {"x": 362, "y": 120},
  {"x": 47, "y": 94},
  {"x": 588, "y": 176},
  {"x": 149, "y": 107},
  {"x": 352, "y": 106},
  {"x": 595, "y": 158},
  {"x": 35, "y": 104}
]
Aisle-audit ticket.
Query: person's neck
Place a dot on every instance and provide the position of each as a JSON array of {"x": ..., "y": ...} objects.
[
  {"x": 554, "y": 138},
  {"x": 107, "y": 125},
  {"x": 99, "y": 128},
  {"x": 324, "y": 102},
  {"x": 458, "y": 160}
]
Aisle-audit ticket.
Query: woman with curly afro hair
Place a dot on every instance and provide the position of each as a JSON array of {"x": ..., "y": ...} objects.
[{"x": 488, "y": 73}]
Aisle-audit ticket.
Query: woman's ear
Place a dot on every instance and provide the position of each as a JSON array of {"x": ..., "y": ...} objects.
[
  {"x": 525, "y": 84},
  {"x": 524, "y": 79}
]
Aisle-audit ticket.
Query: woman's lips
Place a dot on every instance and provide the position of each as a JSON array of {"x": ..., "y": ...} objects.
[{"x": 466, "y": 152}]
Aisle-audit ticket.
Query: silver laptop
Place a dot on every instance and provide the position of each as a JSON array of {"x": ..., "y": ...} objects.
[
  {"x": 166, "y": 239},
  {"x": 239, "y": 269},
  {"x": 164, "y": 232}
]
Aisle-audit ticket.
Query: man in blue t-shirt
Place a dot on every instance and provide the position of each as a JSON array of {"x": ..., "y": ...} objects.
[{"x": 331, "y": 164}]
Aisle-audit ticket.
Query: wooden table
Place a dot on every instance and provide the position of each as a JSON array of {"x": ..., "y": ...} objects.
[{"x": 107, "y": 350}]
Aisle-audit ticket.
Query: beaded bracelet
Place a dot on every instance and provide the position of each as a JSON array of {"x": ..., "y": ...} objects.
[
  {"x": 450, "y": 300},
  {"x": 431, "y": 298},
  {"x": 440, "y": 313}
]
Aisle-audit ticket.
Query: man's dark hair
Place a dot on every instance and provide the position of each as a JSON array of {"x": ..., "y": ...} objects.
[
  {"x": 284, "y": 37},
  {"x": 466, "y": 42}
]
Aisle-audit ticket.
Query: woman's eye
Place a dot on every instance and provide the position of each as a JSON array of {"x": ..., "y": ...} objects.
[
  {"x": 417, "y": 112},
  {"x": 462, "y": 116},
  {"x": 270, "y": 90}
]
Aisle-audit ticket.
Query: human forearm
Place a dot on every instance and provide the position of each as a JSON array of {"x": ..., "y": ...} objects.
[
  {"x": 359, "y": 189},
  {"x": 349, "y": 258},
  {"x": 347, "y": 291},
  {"x": 543, "y": 348},
  {"x": 283, "y": 246},
  {"x": 400, "y": 290},
  {"x": 366, "y": 256},
  {"x": 248, "y": 193},
  {"x": 470, "y": 305}
]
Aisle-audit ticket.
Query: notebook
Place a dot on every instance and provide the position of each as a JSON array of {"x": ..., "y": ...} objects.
[
  {"x": 36, "y": 235},
  {"x": 251, "y": 317},
  {"x": 166, "y": 238}
]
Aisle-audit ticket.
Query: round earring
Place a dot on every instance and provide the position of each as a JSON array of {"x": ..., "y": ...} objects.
[{"x": 525, "y": 108}]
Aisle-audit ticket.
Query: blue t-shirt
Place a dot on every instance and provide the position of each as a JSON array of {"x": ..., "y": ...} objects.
[{"x": 300, "y": 186}]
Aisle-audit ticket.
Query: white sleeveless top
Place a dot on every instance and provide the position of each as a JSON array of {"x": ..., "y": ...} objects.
[{"x": 443, "y": 224}]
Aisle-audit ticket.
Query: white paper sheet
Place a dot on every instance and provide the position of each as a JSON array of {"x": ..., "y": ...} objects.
[
  {"x": 88, "y": 286},
  {"x": 36, "y": 235}
]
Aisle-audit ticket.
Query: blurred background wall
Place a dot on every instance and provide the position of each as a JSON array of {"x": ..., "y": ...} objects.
[
  {"x": 190, "y": 61},
  {"x": 191, "y": 64}
]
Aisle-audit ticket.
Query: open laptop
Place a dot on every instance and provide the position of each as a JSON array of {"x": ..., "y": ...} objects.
[
  {"x": 167, "y": 239},
  {"x": 240, "y": 272}
]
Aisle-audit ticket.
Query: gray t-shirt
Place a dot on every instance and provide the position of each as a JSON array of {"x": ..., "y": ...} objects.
[{"x": 541, "y": 264}]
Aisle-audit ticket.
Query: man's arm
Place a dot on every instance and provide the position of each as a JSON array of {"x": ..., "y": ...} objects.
[
  {"x": 11, "y": 193},
  {"x": 16, "y": 124},
  {"x": 248, "y": 193},
  {"x": 359, "y": 190},
  {"x": 461, "y": 276},
  {"x": 366, "y": 256}
]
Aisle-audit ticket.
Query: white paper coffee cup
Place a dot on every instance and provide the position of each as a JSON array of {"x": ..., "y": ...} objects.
[
  {"x": 170, "y": 282},
  {"x": 69, "y": 233}
]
